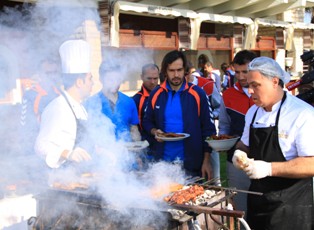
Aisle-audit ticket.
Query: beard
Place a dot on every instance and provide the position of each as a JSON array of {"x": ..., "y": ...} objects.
[{"x": 176, "y": 81}]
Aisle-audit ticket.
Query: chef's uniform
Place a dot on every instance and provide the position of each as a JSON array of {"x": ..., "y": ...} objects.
[
  {"x": 61, "y": 125},
  {"x": 286, "y": 203},
  {"x": 59, "y": 129}
]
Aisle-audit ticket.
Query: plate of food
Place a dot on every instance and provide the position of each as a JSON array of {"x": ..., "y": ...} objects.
[
  {"x": 222, "y": 142},
  {"x": 136, "y": 145},
  {"x": 172, "y": 136}
]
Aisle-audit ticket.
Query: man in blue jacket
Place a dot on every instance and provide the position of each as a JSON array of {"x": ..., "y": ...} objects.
[{"x": 180, "y": 107}]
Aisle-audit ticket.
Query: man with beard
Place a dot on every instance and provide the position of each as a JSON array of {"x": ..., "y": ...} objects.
[
  {"x": 179, "y": 107},
  {"x": 235, "y": 103},
  {"x": 150, "y": 77}
]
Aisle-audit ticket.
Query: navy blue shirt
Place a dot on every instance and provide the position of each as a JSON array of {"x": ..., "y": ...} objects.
[{"x": 173, "y": 122}]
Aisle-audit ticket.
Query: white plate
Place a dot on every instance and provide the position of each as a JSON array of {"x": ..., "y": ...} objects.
[
  {"x": 174, "y": 138},
  {"x": 222, "y": 145},
  {"x": 136, "y": 145}
]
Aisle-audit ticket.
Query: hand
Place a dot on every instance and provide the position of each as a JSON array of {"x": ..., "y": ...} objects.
[
  {"x": 258, "y": 169},
  {"x": 158, "y": 131},
  {"x": 240, "y": 159},
  {"x": 206, "y": 167},
  {"x": 78, "y": 155},
  {"x": 135, "y": 134}
]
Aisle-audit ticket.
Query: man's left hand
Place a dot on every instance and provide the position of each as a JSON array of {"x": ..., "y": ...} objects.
[
  {"x": 258, "y": 169},
  {"x": 207, "y": 170}
]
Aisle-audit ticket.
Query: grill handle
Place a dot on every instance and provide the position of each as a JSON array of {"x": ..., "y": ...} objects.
[{"x": 207, "y": 210}]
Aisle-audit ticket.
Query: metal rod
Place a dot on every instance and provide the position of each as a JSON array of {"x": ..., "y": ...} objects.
[{"x": 236, "y": 190}]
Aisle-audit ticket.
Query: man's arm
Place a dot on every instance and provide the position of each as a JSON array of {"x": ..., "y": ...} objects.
[
  {"x": 135, "y": 134},
  {"x": 240, "y": 145},
  {"x": 299, "y": 167},
  {"x": 206, "y": 167}
]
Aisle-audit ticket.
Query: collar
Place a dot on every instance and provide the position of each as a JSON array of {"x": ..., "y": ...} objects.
[
  {"x": 145, "y": 92},
  {"x": 167, "y": 86},
  {"x": 71, "y": 100},
  {"x": 77, "y": 108}
]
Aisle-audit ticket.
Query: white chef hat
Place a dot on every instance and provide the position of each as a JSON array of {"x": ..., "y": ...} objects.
[{"x": 75, "y": 57}]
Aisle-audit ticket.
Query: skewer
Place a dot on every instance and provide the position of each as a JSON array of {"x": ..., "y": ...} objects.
[{"x": 236, "y": 190}]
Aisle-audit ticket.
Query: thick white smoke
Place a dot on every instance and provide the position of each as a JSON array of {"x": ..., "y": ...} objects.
[{"x": 32, "y": 33}]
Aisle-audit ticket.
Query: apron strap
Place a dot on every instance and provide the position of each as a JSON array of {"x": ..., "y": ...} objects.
[
  {"x": 67, "y": 100},
  {"x": 278, "y": 113}
]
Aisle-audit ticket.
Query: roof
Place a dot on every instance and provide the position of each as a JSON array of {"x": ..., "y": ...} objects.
[{"x": 239, "y": 8}]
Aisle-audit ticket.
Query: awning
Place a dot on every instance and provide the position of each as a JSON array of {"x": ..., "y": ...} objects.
[
  {"x": 275, "y": 23},
  {"x": 197, "y": 19},
  {"x": 196, "y": 24},
  {"x": 154, "y": 9},
  {"x": 146, "y": 9}
]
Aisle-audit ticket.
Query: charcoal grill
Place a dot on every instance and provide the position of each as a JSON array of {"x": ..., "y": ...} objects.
[{"x": 85, "y": 209}]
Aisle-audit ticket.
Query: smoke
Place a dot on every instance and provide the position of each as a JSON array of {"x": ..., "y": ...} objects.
[{"x": 30, "y": 34}]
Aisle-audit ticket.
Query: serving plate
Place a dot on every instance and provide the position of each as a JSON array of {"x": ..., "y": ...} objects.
[
  {"x": 184, "y": 135},
  {"x": 222, "y": 145},
  {"x": 136, "y": 145}
]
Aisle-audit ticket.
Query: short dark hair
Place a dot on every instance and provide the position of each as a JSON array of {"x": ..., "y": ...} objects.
[
  {"x": 170, "y": 58},
  {"x": 149, "y": 66},
  {"x": 224, "y": 66},
  {"x": 244, "y": 57},
  {"x": 69, "y": 79},
  {"x": 202, "y": 59},
  {"x": 108, "y": 66}
]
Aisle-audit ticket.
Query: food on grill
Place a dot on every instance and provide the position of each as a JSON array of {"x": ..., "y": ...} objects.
[
  {"x": 220, "y": 137},
  {"x": 185, "y": 195},
  {"x": 170, "y": 135},
  {"x": 69, "y": 186},
  {"x": 160, "y": 191}
]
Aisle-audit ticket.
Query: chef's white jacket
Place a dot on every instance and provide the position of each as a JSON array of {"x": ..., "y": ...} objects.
[
  {"x": 58, "y": 129},
  {"x": 295, "y": 128}
]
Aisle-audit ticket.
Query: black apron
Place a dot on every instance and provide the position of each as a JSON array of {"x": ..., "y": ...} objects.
[
  {"x": 82, "y": 140},
  {"x": 286, "y": 203}
]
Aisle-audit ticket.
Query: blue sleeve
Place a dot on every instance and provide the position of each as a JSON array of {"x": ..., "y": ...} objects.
[{"x": 225, "y": 81}]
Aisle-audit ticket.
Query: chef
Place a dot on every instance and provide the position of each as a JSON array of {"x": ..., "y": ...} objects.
[
  {"x": 277, "y": 151},
  {"x": 61, "y": 132}
]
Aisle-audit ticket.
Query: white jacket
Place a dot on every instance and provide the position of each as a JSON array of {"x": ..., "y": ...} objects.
[{"x": 58, "y": 129}]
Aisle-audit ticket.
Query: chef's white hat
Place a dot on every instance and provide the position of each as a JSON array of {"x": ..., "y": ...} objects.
[{"x": 75, "y": 56}]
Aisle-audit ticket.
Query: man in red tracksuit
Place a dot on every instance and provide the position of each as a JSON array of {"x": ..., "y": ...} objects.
[{"x": 236, "y": 102}]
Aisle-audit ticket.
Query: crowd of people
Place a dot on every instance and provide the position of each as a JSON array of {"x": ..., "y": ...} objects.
[{"x": 247, "y": 99}]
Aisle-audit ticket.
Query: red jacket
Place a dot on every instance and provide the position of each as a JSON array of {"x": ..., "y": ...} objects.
[{"x": 206, "y": 84}]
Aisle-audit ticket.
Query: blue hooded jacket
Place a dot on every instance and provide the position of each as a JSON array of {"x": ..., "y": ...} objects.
[{"x": 196, "y": 122}]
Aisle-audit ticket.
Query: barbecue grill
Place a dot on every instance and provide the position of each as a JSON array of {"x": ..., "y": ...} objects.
[{"x": 85, "y": 209}]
